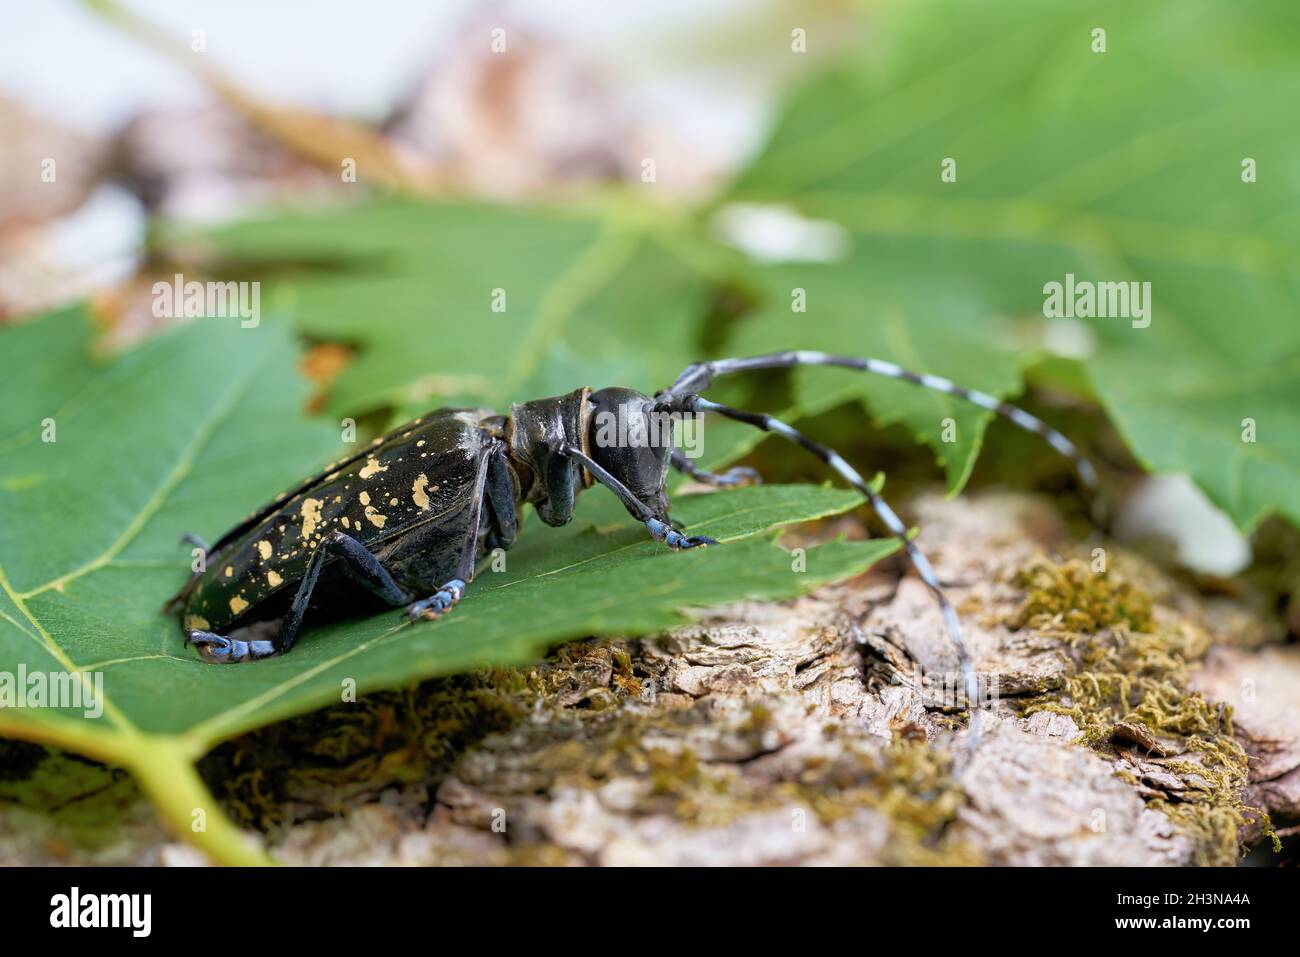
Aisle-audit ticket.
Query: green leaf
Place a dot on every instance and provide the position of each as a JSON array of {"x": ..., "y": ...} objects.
[
  {"x": 477, "y": 304},
  {"x": 1117, "y": 166},
  {"x": 155, "y": 444}
]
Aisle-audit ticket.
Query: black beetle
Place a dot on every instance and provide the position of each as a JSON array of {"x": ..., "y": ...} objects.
[{"x": 410, "y": 515}]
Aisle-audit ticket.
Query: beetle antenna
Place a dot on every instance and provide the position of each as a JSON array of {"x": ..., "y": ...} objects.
[
  {"x": 969, "y": 678},
  {"x": 698, "y": 377}
]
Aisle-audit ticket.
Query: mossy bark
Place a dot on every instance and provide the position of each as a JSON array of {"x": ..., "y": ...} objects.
[{"x": 805, "y": 733}]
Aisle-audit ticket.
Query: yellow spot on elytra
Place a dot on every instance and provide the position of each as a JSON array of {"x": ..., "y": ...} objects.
[
  {"x": 365, "y": 498},
  {"x": 264, "y": 548},
  {"x": 237, "y": 604},
  {"x": 198, "y": 622},
  {"x": 229, "y": 571},
  {"x": 418, "y": 492},
  {"x": 420, "y": 444},
  {"x": 274, "y": 579},
  {"x": 310, "y": 516},
  {"x": 346, "y": 523},
  {"x": 372, "y": 468},
  {"x": 393, "y": 500},
  {"x": 374, "y": 517}
]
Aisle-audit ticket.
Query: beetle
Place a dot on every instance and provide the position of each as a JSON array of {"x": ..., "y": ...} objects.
[{"x": 404, "y": 521}]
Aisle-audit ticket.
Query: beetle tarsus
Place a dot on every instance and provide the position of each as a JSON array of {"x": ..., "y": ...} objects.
[
  {"x": 439, "y": 603},
  {"x": 733, "y": 477},
  {"x": 739, "y": 475},
  {"x": 218, "y": 649},
  {"x": 674, "y": 539}
]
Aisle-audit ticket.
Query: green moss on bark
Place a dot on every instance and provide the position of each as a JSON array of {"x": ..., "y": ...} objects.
[{"x": 1128, "y": 683}]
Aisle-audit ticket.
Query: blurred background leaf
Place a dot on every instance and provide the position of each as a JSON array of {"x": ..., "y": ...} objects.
[
  {"x": 477, "y": 304},
  {"x": 1122, "y": 166}
]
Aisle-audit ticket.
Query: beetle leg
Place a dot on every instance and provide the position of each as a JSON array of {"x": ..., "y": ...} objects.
[
  {"x": 740, "y": 475},
  {"x": 357, "y": 562},
  {"x": 663, "y": 532},
  {"x": 500, "y": 490},
  {"x": 495, "y": 509},
  {"x": 439, "y": 603},
  {"x": 360, "y": 565},
  {"x": 189, "y": 538},
  {"x": 660, "y": 529}
]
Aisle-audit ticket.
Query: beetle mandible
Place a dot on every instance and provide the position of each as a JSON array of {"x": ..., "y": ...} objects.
[{"x": 404, "y": 521}]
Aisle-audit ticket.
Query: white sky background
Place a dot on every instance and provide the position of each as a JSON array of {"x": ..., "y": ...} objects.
[
  {"x": 670, "y": 63},
  {"x": 357, "y": 59}
]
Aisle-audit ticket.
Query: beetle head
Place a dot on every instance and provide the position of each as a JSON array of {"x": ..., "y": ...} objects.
[
  {"x": 631, "y": 441},
  {"x": 618, "y": 428}
]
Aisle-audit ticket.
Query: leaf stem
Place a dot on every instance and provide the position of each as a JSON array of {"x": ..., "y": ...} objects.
[{"x": 166, "y": 772}]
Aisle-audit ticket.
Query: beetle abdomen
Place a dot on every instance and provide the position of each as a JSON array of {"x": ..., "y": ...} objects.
[{"x": 410, "y": 482}]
